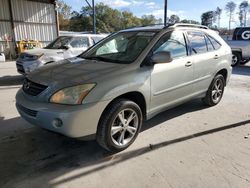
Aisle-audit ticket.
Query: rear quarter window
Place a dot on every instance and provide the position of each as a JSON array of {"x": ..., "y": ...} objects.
[{"x": 214, "y": 42}]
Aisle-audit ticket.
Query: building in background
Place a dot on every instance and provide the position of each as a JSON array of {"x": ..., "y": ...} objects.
[{"x": 26, "y": 20}]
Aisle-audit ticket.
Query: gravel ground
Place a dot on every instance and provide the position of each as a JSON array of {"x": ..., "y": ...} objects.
[{"x": 188, "y": 146}]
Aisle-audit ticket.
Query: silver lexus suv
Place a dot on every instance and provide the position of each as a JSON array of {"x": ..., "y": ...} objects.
[{"x": 108, "y": 91}]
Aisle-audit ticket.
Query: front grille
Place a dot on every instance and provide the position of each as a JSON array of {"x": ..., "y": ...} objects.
[
  {"x": 27, "y": 111},
  {"x": 33, "y": 88},
  {"x": 20, "y": 68}
]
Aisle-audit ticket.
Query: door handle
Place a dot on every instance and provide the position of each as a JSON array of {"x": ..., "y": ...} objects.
[
  {"x": 189, "y": 64},
  {"x": 216, "y": 57}
]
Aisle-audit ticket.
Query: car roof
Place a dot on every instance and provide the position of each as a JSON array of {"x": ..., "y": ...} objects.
[
  {"x": 159, "y": 27},
  {"x": 145, "y": 28},
  {"x": 82, "y": 35}
]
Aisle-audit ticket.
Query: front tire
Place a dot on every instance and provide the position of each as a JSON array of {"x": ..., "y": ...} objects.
[
  {"x": 215, "y": 91},
  {"x": 119, "y": 126}
]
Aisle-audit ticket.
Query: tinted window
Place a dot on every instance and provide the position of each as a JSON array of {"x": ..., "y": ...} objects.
[
  {"x": 174, "y": 43},
  {"x": 197, "y": 43},
  {"x": 210, "y": 46},
  {"x": 79, "y": 42},
  {"x": 215, "y": 43}
]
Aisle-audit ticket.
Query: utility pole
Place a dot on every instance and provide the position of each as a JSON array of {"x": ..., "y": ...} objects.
[
  {"x": 165, "y": 12},
  {"x": 94, "y": 18},
  {"x": 93, "y": 14}
]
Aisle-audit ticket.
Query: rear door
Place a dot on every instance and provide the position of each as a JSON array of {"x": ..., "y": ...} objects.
[
  {"x": 205, "y": 59},
  {"x": 171, "y": 82}
]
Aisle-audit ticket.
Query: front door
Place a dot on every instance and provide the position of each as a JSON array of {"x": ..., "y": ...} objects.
[{"x": 171, "y": 82}]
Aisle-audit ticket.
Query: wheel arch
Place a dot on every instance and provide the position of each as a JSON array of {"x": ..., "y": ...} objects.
[
  {"x": 224, "y": 73},
  {"x": 135, "y": 96},
  {"x": 239, "y": 51}
]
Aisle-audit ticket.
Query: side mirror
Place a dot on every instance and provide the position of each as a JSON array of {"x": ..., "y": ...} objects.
[
  {"x": 65, "y": 47},
  {"x": 161, "y": 57}
]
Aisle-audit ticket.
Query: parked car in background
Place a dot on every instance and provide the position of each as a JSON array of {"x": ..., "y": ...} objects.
[
  {"x": 63, "y": 47},
  {"x": 107, "y": 92},
  {"x": 240, "y": 45}
]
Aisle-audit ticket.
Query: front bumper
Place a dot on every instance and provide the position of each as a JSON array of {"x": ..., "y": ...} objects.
[{"x": 77, "y": 121}]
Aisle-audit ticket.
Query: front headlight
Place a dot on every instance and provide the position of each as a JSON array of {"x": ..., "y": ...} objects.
[
  {"x": 30, "y": 57},
  {"x": 72, "y": 95}
]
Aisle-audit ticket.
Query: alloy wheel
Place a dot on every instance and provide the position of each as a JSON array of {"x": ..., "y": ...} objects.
[
  {"x": 124, "y": 127},
  {"x": 217, "y": 90}
]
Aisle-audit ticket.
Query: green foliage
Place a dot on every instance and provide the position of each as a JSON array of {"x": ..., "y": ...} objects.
[
  {"x": 174, "y": 18},
  {"x": 189, "y": 21},
  {"x": 63, "y": 9},
  {"x": 150, "y": 20},
  {"x": 230, "y": 7},
  {"x": 207, "y": 18},
  {"x": 64, "y": 13},
  {"x": 108, "y": 20},
  {"x": 244, "y": 7}
]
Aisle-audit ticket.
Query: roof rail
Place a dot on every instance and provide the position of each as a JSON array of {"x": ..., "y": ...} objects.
[{"x": 189, "y": 25}]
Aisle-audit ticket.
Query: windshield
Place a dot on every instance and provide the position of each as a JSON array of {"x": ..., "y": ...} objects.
[
  {"x": 59, "y": 43},
  {"x": 123, "y": 47}
]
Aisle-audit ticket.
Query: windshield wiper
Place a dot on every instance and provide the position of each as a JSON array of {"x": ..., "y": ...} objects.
[
  {"x": 97, "y": 58},
  {"x": 100, "y": 58}
]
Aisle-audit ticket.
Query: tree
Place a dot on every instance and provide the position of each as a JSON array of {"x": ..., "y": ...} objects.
[
  {"x": 108, "y": 20},
  {"x": 189, "y": 21},
  {"x": 79, "y": 22},
  {"x": 174, "y": 18},
  {"x": 207, "y": 18},
  {"x": 64, "y": 14},
  {"x": 218, "y": 13},
  {"x": 129, "y": 20},
  {"x": 243, "y": 7},
  {"x": 149, "y": 20},
  {"x": 230, "y": 8}
]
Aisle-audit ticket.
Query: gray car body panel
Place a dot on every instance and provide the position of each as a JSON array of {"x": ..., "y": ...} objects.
[
  {"x": 240, "y": 46},
  {"x": 163, "y": 85}
]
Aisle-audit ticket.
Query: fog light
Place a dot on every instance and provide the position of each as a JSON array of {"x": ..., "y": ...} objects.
[{"x": 57, "y": 123}]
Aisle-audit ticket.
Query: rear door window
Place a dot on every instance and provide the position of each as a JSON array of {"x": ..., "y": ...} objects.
[{"x": 197, "y": 42}]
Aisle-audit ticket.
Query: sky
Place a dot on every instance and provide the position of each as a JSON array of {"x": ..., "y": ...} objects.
[{"x": 185, "y": 9}]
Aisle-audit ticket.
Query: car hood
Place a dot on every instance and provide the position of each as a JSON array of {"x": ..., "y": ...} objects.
[
  {"x": 40, "y": 51},
  {"x": 73, "y": 71}
]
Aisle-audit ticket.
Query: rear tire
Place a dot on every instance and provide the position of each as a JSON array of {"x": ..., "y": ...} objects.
[
  {"x": 215, "y": 91},
  {"x": 236, "y": 59},
  {"x": 119, "y": 125}
]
